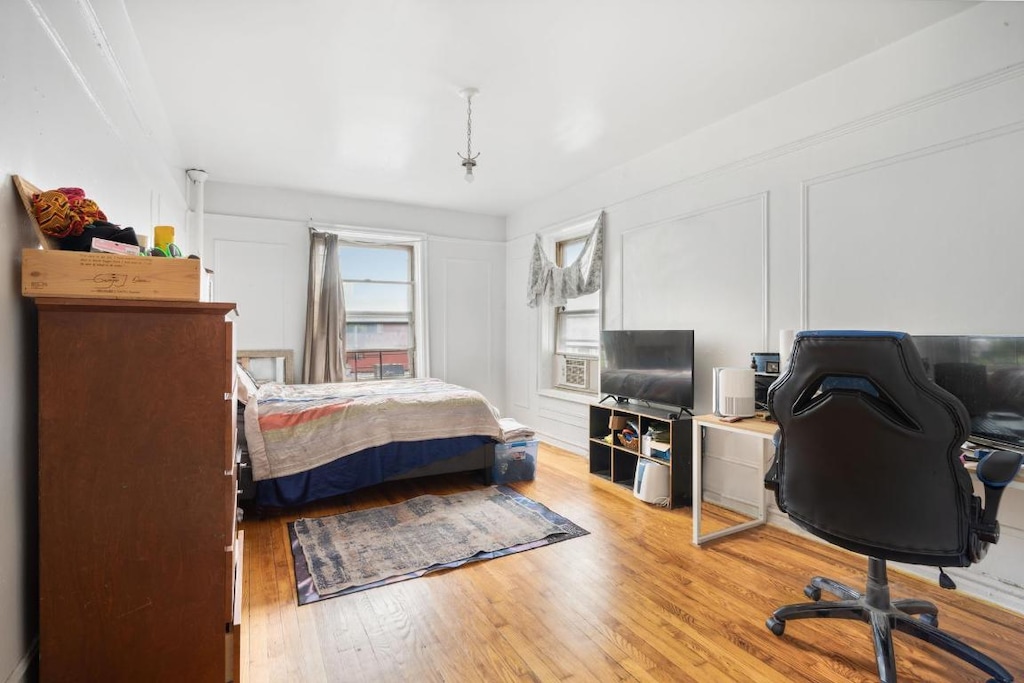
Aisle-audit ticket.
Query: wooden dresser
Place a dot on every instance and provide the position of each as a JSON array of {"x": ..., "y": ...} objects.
[{"x": 139, "y": 557}]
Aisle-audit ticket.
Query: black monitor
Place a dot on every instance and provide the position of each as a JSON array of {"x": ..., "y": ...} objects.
[
  {"x": 655, "y": 366},
  {"x": 987, "y": 374}
]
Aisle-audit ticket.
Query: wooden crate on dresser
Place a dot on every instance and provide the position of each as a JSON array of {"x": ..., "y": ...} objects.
[{"x": 137, "y": 482}]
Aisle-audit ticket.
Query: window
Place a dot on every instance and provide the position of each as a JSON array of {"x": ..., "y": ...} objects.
[
  {"x": 380, "y": 311},
  {"x": 578, "y": 322}
]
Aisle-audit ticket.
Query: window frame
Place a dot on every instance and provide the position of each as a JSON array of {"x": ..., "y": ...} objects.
[
  {"x": 547, "y": 354},
  {"x": 415, "y": 243},
  {"x": 561, "y": 313}
]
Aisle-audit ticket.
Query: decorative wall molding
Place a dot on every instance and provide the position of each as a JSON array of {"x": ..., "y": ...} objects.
[
  {"x": 484, "y": 317},
  {"x": 926, "y": 101},
  {"x": 570, "y": 446},
  {"x": 220, "y": 243},
  {"x": 761, "y": 197},
  {"x": 738, "y": 505},
  {"x": 102, "y": 42},
  {"x": 936, "y": 97},
  {"x": 875, "y": 164},
  {"x": 565, "y": 411},
  {"x": 730, "y": 460},
  {"x": 72, "y": 65},
  {"x": 518, "y": 383},
  {"x": 93, "y": 42}
]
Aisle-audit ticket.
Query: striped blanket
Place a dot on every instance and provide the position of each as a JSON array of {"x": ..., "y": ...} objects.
[{"x": 292, "y": 428}]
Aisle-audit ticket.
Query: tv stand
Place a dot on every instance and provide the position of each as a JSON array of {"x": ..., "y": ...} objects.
[{"x": 617, "y": 463}]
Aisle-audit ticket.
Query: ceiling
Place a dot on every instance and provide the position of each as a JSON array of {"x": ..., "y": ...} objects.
[{"x": 360, "y": 98}]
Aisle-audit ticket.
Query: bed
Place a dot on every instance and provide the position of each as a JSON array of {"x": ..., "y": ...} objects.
[{"x": 306, "y": 442}]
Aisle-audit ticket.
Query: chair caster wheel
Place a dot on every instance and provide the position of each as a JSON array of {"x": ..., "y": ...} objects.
[
  {"x": 930, "y": 619},
  {"x": 775, "y": 626},
  {"x": 813, "y": 592}
]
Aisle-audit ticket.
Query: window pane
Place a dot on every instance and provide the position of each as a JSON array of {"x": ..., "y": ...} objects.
[
  {"x": 366, "y": 335},
  {"x": 578, "y": 333},
  {"x": 375, "y": 263},
  {"x": 569, "y": 251},
  {"x": 371, "y": 297},
  {"x": 587, "y": 302},
  {"x": 379, "y": 300},
  {"x": 378, "y": 365}
]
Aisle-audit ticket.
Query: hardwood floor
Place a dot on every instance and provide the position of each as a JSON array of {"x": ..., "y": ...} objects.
[{"x": 634, "y": 600}]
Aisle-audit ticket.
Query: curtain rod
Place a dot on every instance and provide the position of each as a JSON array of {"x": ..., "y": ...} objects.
[
  {"x": 341, "y": 227},
  {"x": 316, "y": 226}
]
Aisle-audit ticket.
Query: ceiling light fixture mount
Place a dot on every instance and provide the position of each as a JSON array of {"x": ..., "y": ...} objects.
[{"x": 469, "y": 161}]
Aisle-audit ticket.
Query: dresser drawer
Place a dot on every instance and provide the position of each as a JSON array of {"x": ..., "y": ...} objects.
[{"x": 233, "y": 634}]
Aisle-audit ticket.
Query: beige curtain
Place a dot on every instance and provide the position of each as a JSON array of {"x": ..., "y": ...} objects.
[{"x": 324, "y": 357}]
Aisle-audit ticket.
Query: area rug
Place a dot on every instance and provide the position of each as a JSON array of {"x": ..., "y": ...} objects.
[{"x": 363, "y": 549}]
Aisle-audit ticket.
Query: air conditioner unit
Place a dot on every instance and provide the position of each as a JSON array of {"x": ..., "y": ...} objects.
[{"x": 574, "y": 372}]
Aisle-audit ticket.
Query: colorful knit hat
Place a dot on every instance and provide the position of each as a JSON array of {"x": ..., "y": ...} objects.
[
  {"x": 65, "y": 211},
  {"x": 53, "y": 213}
]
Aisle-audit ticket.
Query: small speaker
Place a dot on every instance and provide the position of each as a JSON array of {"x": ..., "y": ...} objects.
[{"x": 733, "y": 392}]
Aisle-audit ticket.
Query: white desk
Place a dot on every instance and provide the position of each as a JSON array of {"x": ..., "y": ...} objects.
[
  {"x": 752, "y": 426},
  {"x": 759, "y": 429}
]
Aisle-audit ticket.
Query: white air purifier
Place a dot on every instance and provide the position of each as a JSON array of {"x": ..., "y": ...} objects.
[
  {"x": 651, "y": 482},
  {"x": 733, "y": 392}
]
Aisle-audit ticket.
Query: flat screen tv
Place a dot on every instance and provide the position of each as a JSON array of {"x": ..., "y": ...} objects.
[
  {"x": 655, "y": 366},
  {"x": 987, "y": 374}
]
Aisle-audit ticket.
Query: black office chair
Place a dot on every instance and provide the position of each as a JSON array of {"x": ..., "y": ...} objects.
[{"x": 868, "y": 458}]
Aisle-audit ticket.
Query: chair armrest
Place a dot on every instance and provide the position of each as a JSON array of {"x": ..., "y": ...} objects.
[
  {"x": 998, "y": 468},
  {"x": 995, "y": 472}
]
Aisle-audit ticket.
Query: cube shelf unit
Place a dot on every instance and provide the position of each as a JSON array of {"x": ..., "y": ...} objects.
[{"x": 618, "y": 464}]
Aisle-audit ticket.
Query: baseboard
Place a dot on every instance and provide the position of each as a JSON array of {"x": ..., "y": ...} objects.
[
  {"x": 743, "y": 507},
  {"x": 18, "y": 674},
  {"x": 570, "y": 446},
  {"x": 974, "y": 582}
]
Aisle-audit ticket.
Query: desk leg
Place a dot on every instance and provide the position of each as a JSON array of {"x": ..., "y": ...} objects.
[
  {"x": 698, "y": 489},
  {"x": 763, "y": 507},
  {"x": 698, "y": 484}
]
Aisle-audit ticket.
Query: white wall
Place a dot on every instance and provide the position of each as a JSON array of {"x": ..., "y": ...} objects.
[
  {"x": 885, "y": 194},
  {"x": 257, "y": 241},
  {"x": 71, "y": 115}
]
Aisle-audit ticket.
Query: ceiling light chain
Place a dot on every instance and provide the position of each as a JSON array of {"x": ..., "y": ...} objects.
[{"x": 469, "y": 161}]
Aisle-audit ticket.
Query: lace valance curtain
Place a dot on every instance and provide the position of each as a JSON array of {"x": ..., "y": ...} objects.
[{"x": 556, "y": 285}]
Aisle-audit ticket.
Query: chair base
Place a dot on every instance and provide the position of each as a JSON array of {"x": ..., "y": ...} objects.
[{"x": 885, "y": 616}]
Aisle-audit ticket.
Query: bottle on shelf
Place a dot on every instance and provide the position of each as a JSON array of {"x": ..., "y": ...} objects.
[{"x": 645, "y": 442}]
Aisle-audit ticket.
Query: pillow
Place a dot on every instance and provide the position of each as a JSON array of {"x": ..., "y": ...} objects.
[{"x": 247, "y": 385}]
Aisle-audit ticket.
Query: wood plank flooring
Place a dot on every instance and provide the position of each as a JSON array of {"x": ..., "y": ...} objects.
[{"x": 632, "y": 601}]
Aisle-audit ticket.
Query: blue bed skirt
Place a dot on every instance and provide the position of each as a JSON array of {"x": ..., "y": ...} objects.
[{"x": 365, "y": 468}]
